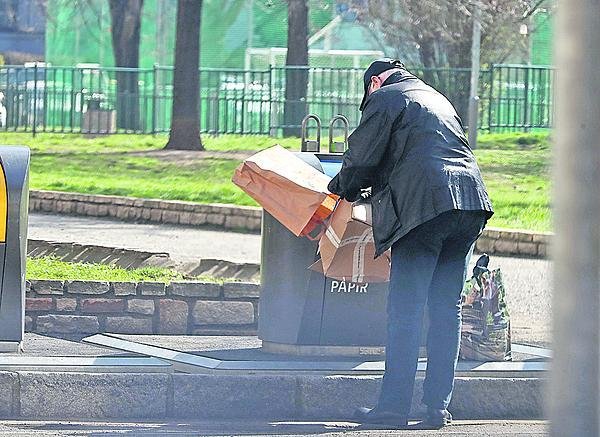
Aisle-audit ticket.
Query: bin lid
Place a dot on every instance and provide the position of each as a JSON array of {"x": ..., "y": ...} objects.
[
  {"x": 331, "y": 163},
  {"x": 328, "y": 163}
]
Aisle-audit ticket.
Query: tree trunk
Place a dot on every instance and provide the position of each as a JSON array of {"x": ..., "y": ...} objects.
[
  {"x": 459, "y": 56},
  {"x": 296, "y": 62},
  {"x": 185, "y": 120},
  {"x": 427, "y": 56},
  {"x": 125, "y": 29}
]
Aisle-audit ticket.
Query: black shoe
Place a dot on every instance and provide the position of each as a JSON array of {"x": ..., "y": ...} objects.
[
  {"x": 380, "y": 417},
  {"x": 438, "y": 418}
]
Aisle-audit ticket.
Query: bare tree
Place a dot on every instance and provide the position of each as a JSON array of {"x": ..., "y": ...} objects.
[
  {"x": 126, "y": 17},
  {"x": 441, "y": 33},
  {"x": 185, "y": 129},
  {"x": 296, "y": 62},
  {"x": 441, "y": 29}
]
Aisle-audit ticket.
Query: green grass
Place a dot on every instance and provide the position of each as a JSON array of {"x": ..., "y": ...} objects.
[
  {"x": 52, "y": 268},
  {"x": 77, "y": 143},
  {"x": 515, "y": 168},
  {"x": 205, "y": 181},
  {"x": 514, "y": 141}
]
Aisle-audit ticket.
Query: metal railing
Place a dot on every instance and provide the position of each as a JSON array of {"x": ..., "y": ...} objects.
[{"x": 125, "y": 100}]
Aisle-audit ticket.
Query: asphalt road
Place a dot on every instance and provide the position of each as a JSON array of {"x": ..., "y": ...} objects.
[
  {"x": 528, "y": 281},
  {"x": 253, "y": 428}
]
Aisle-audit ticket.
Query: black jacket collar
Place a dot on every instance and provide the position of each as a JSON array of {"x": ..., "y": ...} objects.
[{"x": 398, "y": 76}]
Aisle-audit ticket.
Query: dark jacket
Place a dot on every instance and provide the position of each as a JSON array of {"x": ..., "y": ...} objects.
[{"x": 411, "y": 149}]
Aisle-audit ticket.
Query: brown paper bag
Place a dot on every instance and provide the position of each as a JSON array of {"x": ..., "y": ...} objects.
[
  {"x": 347, "y": 250},
  {"x": 288, "y": 188}
]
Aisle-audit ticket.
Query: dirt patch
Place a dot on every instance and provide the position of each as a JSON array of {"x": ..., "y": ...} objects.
[{"x": 187, "y": 157}]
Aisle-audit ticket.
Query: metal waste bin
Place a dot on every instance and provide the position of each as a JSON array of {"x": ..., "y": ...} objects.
[
  {"x": 302, "y": 311},
  {"x": 14, "y": 197}
]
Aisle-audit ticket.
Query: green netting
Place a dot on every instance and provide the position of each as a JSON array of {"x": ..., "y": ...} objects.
[
  {"x": 79, "y": 31},
  {"x": 541, "y": 40}
]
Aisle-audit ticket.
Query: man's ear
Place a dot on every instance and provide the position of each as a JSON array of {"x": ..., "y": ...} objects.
[{"x": 375, "y": 82}]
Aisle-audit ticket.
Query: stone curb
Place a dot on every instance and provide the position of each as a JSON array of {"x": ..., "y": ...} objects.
[
  {"x": 130, "y": 258},
  {"x": 57, "y": 395},
  {"x": 90, "y": 253},
  {"x": 241, "y": 218},
  {"x": 233, "y": 217}
]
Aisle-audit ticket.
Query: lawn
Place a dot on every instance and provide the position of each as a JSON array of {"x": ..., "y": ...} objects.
[
  {"x": 64, "y": 143},
  {"x": 515, "y": 169},
  {"x": 52, "y": 268}
]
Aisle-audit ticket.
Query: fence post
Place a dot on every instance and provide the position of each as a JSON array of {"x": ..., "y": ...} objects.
[
  {"x": 7, "y": 99},
  {"x": 243, "y": 112},
  {"x": 217, "y": 108},
  {"x": 35, "y": 71},
  {"x": 526, "y": 109},
  {"x": 271, "y": 110},
  {"x": 154, "y": 97},
  {"x": 491, "y": 98}
]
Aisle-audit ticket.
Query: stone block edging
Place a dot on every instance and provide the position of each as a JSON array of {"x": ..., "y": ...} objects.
[
  {"x": 98, "y": 396},
  {"x": 497, "y": 241},
  {"x": 244, "y": 218},
  {"x": 185, "y": 307}
]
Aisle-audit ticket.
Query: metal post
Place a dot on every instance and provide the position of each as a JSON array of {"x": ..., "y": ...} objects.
[
  {"x": 272, "y": 106},
  {"x": 474, "y": 98},
  {"x": 154, "y": 97},
  {"x": 35, "y": 73},
  {"x": 526, "y": 111},
  {"x": 491, "y": 98},
  {"x": 575, "y": 391}
]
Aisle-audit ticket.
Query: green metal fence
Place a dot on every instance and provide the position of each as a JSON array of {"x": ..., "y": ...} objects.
[
  {"x": 520, "y": 98},
  {"x": 109, "y": 100}
]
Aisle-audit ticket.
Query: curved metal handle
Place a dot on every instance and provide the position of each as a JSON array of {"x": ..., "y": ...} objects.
[
  {"x": 305, "y": 147},
  {"x": 346, "y": 124}
]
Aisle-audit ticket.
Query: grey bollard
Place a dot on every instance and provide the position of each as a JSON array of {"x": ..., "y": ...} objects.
[{"x": 14, "y": 199}]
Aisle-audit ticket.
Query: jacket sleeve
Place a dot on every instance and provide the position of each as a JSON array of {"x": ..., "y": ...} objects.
[{"x": 366, "y": 148}]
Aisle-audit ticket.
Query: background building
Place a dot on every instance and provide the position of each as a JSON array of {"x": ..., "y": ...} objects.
[{"x": 22, "y": 30}]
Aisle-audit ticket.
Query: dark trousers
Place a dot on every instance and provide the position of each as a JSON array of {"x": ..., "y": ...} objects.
[{"x": 428, "y": 267}]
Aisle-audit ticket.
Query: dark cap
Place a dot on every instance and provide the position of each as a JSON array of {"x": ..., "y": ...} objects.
[{"x": 375, "y": 69}]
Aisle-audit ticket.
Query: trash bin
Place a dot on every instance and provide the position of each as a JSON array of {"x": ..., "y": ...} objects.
[
  {"x": 302, "y": 311},
  {"x": 14, "y": 196}
]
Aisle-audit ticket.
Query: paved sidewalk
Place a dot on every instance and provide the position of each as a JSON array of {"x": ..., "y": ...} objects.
[
  {"x": 184, "y": 244},
  {"x": 528, "y": 281},
  {"x": 323, "y": 429}
]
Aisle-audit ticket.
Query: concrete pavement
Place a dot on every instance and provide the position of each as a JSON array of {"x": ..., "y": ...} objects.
[
  {"x": 255, "y": 428},
  {"x": 528, "y": 281},
  {"x": 230, "y": 378},
  {"x": 184, "y": 244}
]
